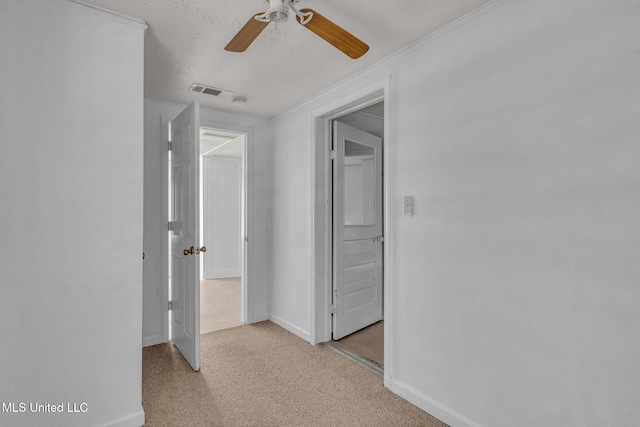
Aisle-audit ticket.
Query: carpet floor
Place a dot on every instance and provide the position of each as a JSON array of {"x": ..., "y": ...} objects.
[{"x": 262, "y": 375}]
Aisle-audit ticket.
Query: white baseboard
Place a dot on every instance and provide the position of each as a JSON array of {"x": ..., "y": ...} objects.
[
  {"x": 290, "y": 327},
  {"x": 133, "y": 420},
  {"x": 432, "y": 406},
  {"x": 261, "y": 317},
  {"x": 152, "y": 340}
]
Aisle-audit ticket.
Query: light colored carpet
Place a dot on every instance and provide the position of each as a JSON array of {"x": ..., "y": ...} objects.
[
  {"x": 219, "y": 304},
  {"x": 262, "y": 375},
  {"x": 367, "y": 343}
]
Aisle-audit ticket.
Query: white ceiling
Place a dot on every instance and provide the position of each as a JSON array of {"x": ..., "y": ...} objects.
[
  {"x": 285, "y": 65},
  {"x": 219, "y": 144}
]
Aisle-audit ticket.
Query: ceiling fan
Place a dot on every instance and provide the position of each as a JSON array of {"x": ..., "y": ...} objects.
[{"x": 279, "y": 12}]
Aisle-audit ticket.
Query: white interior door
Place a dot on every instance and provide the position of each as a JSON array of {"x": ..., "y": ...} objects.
[
  {"x": 185, "y": 234},
  {"x": 357, "y": 230}
]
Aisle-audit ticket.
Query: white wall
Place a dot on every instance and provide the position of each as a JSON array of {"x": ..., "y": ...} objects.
[
  {"x": 515, "y": 283},
  {"x": 291, "y": 251},
  {"x": 71, "y": 105},
  {"x": 222, "y": 191},
  {"x": 258, "y": 211}
]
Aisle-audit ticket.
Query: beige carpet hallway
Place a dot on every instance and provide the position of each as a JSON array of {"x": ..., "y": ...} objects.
[{"x": 262, "y": 375}]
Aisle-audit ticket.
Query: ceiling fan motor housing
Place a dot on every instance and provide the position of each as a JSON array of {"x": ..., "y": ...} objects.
[{"x": 278, "y": 10}]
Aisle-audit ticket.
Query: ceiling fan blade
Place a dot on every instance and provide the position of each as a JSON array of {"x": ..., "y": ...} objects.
[
  {"x": 246, "y": 35},
  {"x": 340, "y": 38}
]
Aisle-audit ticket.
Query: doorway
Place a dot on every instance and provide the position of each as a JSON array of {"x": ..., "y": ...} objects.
[
  {"x": 357, "y": 236},
  {"x": 186, "y": 222},
  {"x": 222, "y": 227},
  {"x": 321, "y": 331}
]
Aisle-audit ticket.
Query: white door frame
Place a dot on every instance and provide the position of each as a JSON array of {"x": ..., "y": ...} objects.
[
  {"x": 321, "y": 233},
  {"x": 164, "y": 206}
]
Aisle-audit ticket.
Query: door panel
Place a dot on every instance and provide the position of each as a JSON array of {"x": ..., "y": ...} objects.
[
  {"x": 357, "y": 230},
  {"x": 185, "y": 281}
]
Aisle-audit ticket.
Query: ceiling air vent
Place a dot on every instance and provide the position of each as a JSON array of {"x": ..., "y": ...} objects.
[{"x": 209, "y": 90}]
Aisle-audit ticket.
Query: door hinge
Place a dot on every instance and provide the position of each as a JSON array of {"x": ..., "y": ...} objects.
[
  {"x": 333, "y": 154},
  {"x": 332, "y": 308},
  {"x": 379, "y": 239},
  {"x": 169, "y": 145},
  {"x": 172, "y": 225},
  {"x": 170, "y": 305}
]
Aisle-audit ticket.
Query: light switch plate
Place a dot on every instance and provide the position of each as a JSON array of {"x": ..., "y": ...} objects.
[{"x": 407, "y": 205}]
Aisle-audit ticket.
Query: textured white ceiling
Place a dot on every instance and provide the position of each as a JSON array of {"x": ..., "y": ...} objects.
[
  {"x": 214, "y": 143},
  {"x": 286, "y": 64}
]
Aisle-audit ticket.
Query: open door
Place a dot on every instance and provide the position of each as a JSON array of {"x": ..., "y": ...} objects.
[
  {"x": 357, "y": 230},
  {"x": 185, "y": 234}
]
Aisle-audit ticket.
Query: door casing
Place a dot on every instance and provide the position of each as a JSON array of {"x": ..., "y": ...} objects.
[{"x": 321, "y": 271}]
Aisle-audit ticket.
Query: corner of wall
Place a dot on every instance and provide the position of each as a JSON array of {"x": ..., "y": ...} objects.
[{"x": 301, "y": 333}]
